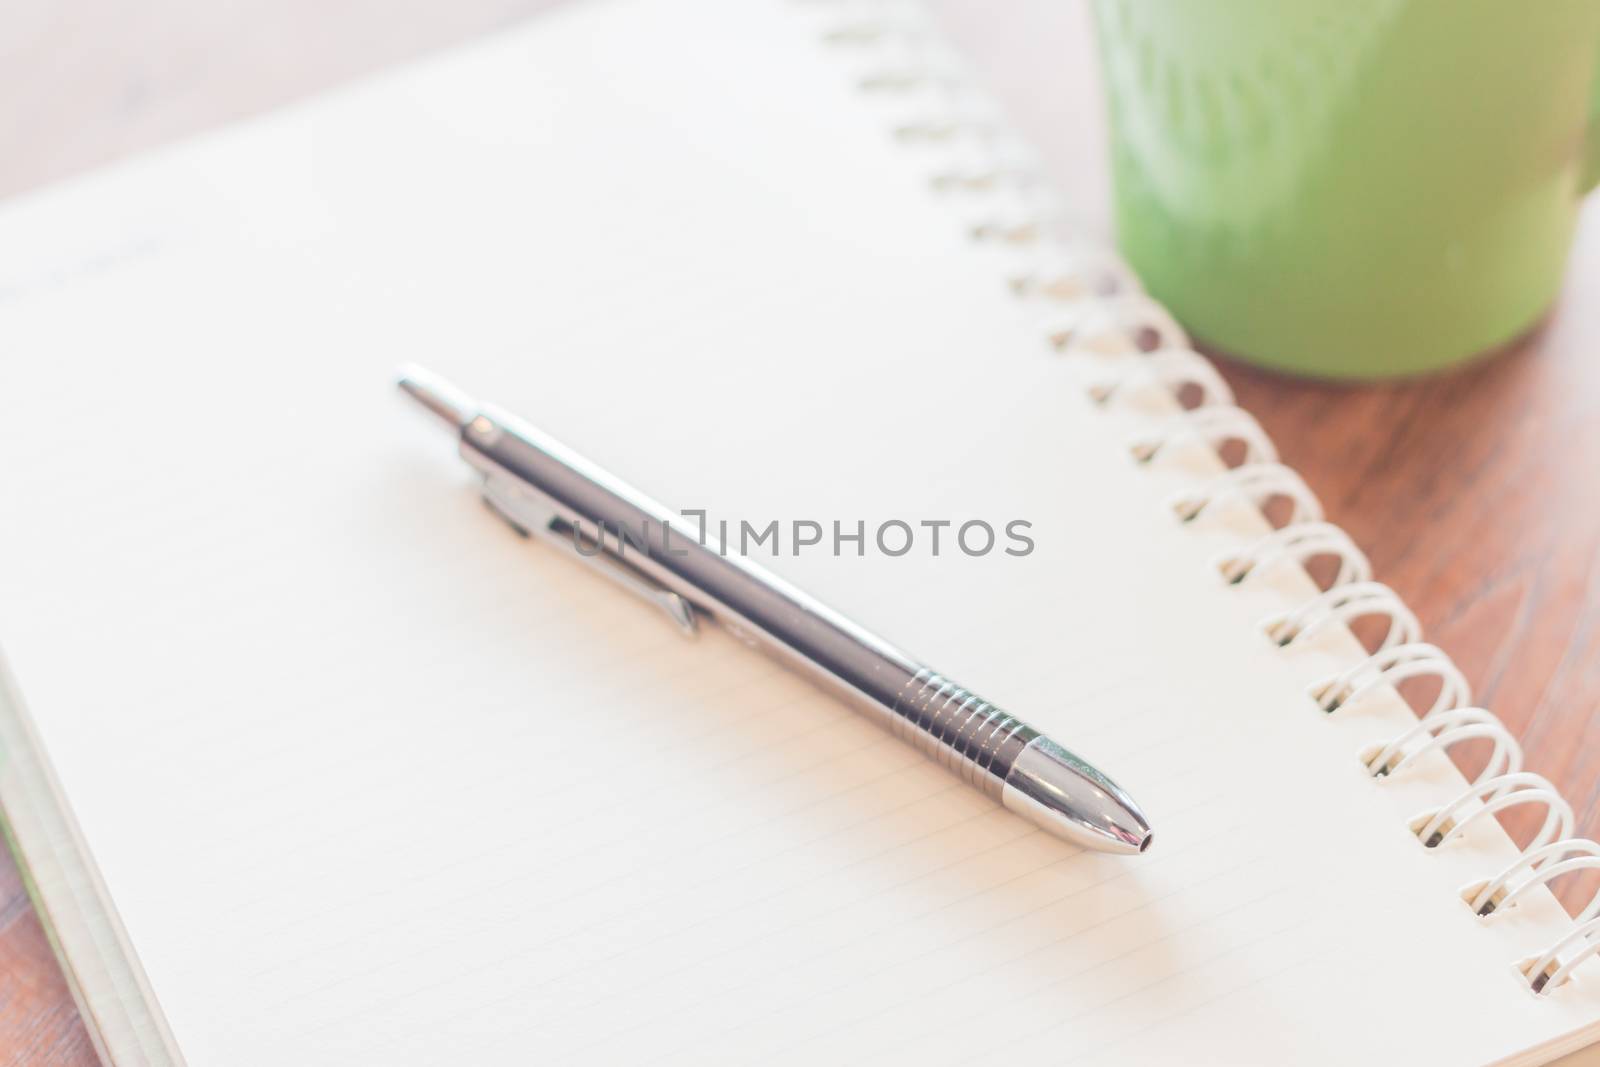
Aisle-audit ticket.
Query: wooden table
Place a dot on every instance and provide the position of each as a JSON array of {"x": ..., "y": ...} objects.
[{"x": 1477, "y": 493}]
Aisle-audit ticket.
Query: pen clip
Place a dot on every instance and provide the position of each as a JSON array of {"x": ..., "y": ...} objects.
[{"x": 529, "y": 515}]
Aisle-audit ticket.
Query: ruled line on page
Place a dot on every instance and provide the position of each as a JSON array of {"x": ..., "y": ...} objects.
[
  {"x": 976, "y": 815},
  {"x": 741, "y": 802},
  {"x": 800, "y": 1006}
]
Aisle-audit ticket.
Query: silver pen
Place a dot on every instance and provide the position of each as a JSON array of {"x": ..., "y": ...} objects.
[{"x": 544, "y": 489}]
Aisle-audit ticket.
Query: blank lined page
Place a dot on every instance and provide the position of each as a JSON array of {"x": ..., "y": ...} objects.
[{"x": 370, "y": 779}]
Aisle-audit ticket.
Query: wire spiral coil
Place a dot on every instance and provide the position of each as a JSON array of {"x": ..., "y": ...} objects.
[{"x": 1091, "y": 305}]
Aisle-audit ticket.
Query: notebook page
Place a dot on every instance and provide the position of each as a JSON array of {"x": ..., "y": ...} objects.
[{"x": 372, "y": 780}]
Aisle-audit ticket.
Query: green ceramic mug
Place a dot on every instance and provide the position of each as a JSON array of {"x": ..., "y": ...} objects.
[{"x": 1352, "y": 188}]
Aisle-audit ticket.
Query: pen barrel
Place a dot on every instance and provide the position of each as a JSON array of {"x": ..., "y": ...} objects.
[
  {"x": 970, "y": 737},
  {"x": 541, "y": 487}
]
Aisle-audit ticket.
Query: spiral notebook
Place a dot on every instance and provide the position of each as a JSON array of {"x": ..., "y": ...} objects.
[{"x": 309, "y": 760}]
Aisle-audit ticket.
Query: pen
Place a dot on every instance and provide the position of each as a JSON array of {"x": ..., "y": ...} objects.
[{"x": 544, "y": 489}]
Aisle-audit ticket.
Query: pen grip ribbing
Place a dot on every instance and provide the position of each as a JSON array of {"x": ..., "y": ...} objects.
[{"x": 958, "y": 729}]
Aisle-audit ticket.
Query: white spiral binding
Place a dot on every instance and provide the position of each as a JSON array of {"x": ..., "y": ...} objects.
[
  {"x": 1499, "y": 793},
  {"x": 1259, "y": 483},
  {"x": 1541, "y": 865},
  {"x": 1441, "y": 731},
  {"x": 1173, "y": 371},
  {"x": 1072, "y": 273},
  {"x": 1343, "y": 604},
  {"x": 1301, "y": 542},
  {"x": 1122, "y": 324},
  {"x": 1391, "y": 666},
  {"x": 1093, "y": 306},
  {"x": 1548, "y": 970},
  {"x": 1215, "y": 427}
]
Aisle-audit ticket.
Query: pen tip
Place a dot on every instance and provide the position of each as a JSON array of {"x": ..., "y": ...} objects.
[
  {"x": 1067, "y": 797},
  {"x": 436, "y": 394}
]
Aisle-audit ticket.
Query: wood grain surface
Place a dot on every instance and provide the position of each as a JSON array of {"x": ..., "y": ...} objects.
[{"x": 1476, "y": 493}]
